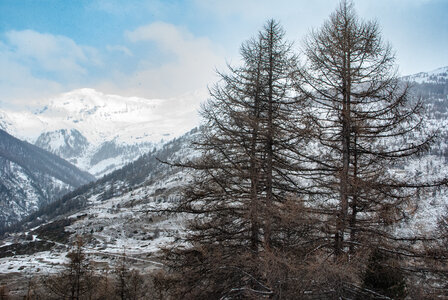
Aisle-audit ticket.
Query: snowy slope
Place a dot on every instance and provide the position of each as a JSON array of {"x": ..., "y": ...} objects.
[
  {"x": 100, "y": 133},
  {"x": 31, "y": 177},
  {"x": 114, "y": 215},
  {"x": 438, "y": 76}
]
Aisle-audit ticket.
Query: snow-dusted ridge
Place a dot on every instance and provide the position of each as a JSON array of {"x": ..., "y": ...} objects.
[
  {"x": 100, "y": 133},
  {"x": 115, "y": 217},
  {"x": 31, "y": 177},
  {"x": 437, "y": 76},
  {"x": 101, "y": 117}
]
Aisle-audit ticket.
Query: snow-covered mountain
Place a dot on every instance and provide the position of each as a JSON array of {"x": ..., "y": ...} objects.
[
  {"x": 31, "y": 177},
  {"x": 438, "y": 76},
  {"x": 100, "y": 133}
]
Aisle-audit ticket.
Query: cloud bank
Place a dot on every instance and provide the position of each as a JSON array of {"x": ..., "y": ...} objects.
[{"x": 36, "y": 65}]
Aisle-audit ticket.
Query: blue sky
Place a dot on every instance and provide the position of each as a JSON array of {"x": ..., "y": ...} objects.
[{"x": 162, "y": 49}]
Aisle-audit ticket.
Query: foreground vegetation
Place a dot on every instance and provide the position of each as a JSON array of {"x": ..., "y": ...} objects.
[{"x": 297, "y": 193}]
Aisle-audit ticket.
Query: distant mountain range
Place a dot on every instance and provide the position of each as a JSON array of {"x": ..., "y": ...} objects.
[
  {"x": 100, "y": 133},
  {"x": 438, "y": 76},
  {"x": 112, "y": 214},
  {"x": 31, "y": 177}
]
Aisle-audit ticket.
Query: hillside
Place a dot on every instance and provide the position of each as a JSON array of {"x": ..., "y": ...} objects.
[
  {"x": 113, "y": 215},
  {"x": 32, "y": 177}
]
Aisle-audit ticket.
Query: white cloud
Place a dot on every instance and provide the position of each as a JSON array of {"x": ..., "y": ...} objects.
[
  {"x": 190, "y": 64},
  {"x": 119, "y": 48},
  {"x": 19, "y": 87},
  {"x": 51, "y": 53},
  {"x": 36, "y": 65}
]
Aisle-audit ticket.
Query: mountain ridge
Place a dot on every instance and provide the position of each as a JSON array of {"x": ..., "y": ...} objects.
[
  {"x": 31, "y": 177},
  {"x": 436, "y": 76}
]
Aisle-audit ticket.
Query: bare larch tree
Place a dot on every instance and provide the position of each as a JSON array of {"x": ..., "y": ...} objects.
[
  {"x": 243, "y": 174},
  {"x": 365, "y": 124}
]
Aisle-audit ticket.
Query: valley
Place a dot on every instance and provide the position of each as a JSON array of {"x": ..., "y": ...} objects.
[{"x": 122, "y": 212}]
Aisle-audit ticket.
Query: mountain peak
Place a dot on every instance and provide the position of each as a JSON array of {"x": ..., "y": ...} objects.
[
  {"x": 31, "y": 176},
  {"x": 84, "y": 91}
]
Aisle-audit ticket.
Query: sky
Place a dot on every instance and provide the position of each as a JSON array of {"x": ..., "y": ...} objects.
[{"x": 168, "y": 48}]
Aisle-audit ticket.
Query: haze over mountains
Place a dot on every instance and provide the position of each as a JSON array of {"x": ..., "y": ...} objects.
[
  {"x": 97, "y": 133},
  {"x": 100, "y": 133}
]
